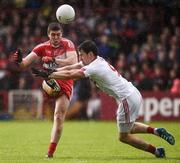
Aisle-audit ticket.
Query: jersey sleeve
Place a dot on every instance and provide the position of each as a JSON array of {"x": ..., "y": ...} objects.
[
  {"x": 88, "y": 70},
  {"x": 38, "y": 50}
]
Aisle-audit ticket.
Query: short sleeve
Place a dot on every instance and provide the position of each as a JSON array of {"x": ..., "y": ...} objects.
[
  {"x": 88, "y": 70},
  {"x": 38, "y": 50}
]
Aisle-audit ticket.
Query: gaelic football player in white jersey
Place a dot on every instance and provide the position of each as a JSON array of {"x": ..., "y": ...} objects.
[{"x": 110, "y": 81}]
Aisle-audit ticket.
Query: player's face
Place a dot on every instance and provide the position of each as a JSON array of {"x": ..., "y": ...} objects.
[
  {"x": 86, "y": 58},
  {"x": 55, "y": 37}
]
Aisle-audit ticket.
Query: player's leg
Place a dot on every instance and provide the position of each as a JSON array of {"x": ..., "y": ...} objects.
[
  {"x": 161, "y": 132},
  {"x": 61, "y": 105},
  {"x": 126, "y": 116},
  {"x": 126, "y": 137}
]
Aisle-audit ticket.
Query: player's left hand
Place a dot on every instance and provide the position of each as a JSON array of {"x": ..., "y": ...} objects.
[{"x": 17, "y": 56}]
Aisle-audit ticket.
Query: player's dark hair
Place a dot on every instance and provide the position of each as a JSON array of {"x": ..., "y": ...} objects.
[
  {"x": 88, "y": 46},
  {"x": 54, "y": 26}
]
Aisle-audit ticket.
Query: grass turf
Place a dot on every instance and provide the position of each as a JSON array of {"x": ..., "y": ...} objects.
[{"x": 82, "y": 142}]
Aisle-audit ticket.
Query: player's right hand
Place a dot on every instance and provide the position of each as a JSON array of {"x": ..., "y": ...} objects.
[
  {"x": 17, "y": 56},
  {"x": 42, "y": 73}
]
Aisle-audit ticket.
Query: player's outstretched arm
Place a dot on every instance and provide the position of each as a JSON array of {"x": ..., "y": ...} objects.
[
  {"x": 67, "y": 74},
  {"x": 71, "y": 59},
  {"x": 42, "y": 73},
  {"x": 24, "y": 62},
  {"x": 70, "y": 67},
  {"x": 62, "y": 74}
]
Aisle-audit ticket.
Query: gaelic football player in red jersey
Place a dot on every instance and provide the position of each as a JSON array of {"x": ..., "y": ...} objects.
[{"x": 56, "y": 52}]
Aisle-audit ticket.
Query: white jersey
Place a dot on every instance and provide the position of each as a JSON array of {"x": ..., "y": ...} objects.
[{"x": 108, "y": 79}]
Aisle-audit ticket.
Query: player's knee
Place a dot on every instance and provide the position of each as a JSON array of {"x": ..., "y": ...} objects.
[
  {"x": 58, "y": 116},
  {"x": 123, "y": 138},
  {"x": 133, "y": 129}
]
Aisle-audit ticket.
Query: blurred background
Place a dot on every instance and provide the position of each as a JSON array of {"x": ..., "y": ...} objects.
[{"x": 140, "y": 38}]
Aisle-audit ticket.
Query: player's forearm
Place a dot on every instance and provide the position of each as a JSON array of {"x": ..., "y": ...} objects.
[
  {"x": 71, "y": 59},
  {"x": 24, "y": 63},
  {"x": 70, "y": 67},
  {"x": 28, "y": 60},
  {"x": 64, "y": 75},
  {"x": 67, "y": 74}
]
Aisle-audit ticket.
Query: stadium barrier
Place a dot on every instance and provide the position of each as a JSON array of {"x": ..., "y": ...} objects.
[
  {"x": 25, "y": 104},
  {"x": 3, "y": 101},
  {"x": 159, "y": 106},
  {"x": 28, "y": 104}
]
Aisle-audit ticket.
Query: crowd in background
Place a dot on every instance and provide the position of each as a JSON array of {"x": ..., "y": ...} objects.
[{"x": 141, "y": 39}]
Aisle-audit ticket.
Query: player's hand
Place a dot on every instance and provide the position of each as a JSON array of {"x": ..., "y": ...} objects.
[
  {"x": 42, "y": 73},
  {"x": 49, "y": 63},
  {"x": 47, "y": 59},
  {"x": 17, "y": 56}
]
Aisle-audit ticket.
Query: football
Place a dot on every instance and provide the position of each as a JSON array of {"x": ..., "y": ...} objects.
[{"x": 65, "y": 14}]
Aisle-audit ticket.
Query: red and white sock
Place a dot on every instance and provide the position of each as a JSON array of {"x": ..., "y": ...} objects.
[
  {"x": 151, "y": 149},
  {"x": 52, "y": 148},
  {"x": 151, "y": 130}
]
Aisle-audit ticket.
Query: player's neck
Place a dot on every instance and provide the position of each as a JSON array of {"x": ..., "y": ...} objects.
[
  {"x": 94, "y": 58},
  {"x": 55, "y": 46}
]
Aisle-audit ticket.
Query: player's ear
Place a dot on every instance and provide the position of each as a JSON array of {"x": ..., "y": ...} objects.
[
  {"x": 61, "y": 34},
  {"x": 48, "y": 33},
  {"x": 91, "y": 53}
]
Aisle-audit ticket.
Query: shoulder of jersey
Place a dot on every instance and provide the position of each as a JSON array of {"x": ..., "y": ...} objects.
[
  {"x": 64, "y": 40},
  {"x": 67, "y": 43},
  {"x": 47, "y": 43}
]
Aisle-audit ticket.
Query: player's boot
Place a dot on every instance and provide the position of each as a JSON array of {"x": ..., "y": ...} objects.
[
  {"x": 160, "y": 152},
  {"x": 49, "y": 156},
  {"x": 165, "y": 135}
]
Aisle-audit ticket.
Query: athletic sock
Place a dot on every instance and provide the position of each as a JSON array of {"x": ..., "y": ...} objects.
[
  {"x": 151, "y": 149},
  {"x": 155, "y": 131},
  {"x": 52, "y": 148},
  {"x": 151, "y": 130},
  {"x": 157, "y": 152}
]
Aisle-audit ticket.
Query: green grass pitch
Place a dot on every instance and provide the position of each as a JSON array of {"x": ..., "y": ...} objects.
[{"x": 82, "y": 142}]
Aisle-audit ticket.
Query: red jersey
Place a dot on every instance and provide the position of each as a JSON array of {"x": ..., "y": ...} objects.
[{"x": 46, "y": 49}]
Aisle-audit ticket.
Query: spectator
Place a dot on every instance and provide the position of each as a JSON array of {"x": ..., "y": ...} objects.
[
  {"x": 116, "y": 26},
  {"x": 176, "y": 83},
  {"x": 78, "y": 109}
]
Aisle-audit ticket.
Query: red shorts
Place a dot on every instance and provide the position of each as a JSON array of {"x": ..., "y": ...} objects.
[{"x": 66, "y": 88}]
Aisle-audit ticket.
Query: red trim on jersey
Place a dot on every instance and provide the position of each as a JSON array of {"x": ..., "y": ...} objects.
[
  {"x": 126, "y": 110},
  {"x": 82, "y": 71}
]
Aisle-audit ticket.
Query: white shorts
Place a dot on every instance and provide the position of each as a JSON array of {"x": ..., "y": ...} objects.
[{"x": 128, "y": 110}]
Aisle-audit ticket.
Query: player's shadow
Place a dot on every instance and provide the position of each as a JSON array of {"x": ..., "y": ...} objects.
[{"x": 114, "y": 158}]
